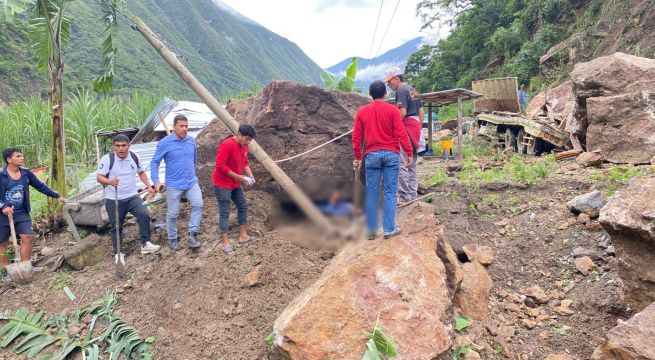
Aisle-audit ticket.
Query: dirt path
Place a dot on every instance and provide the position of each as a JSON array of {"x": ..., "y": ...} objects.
[{"x": 197, "y": 308}]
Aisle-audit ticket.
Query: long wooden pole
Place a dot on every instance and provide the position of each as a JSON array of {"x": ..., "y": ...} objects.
[
  {"x": 430, "y": 120},
  {"x": 301, "y": 199},
  {"x": 459, "y": 127}
]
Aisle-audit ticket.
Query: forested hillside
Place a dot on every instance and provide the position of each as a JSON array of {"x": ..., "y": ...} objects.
[
  {"x": 226, "y": 51},
  {"x": 537, "y": 41}
]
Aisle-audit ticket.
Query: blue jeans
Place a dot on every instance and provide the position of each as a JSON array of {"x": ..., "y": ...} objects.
[
  {"x": 381, "y": 164},
  {"x": 173, "y": 196},
  {"x": 223, "y": 196}
]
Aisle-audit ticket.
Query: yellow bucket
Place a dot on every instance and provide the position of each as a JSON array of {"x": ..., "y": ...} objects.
[{"x": 446, "y": 144}]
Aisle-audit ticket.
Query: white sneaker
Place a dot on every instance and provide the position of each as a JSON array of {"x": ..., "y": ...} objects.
[
  {"x": 119, "y": 257},
  {"x": 149, "y": 248}
]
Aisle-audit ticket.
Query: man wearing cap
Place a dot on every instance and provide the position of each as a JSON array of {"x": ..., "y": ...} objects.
[{"x": 411, "y": 113}]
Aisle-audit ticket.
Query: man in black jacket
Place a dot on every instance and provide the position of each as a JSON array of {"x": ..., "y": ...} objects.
[{"x": 15, "y": 181}]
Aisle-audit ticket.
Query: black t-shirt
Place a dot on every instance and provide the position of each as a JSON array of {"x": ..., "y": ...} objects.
[
  {"x": 15, "y": 195},
  {"x": 408, "y": 98}
]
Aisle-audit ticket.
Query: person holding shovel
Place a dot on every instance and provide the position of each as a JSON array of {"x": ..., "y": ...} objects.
[
  {"x": 15, "y": 181},
  {"x": 117, "y": 172},
  {"x": 227, "y": 178}
]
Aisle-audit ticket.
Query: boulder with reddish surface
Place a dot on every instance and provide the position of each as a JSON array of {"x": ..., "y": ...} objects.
[
  {"x": 632, "y": 339},
  {"x": 471, "y": 297},
  {"x": 291, "y": 118},
  {"x": 610, "y": 75},
  {"x": 589, "y": 203},
  {"x": 621, "y": 127},
  {"x": 629, "y": 219},
  {"x": 589, "y": 159},
  {"x": 401, "y": 280}
]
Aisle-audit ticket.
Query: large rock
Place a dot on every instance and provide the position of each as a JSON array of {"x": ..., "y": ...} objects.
[
  {"x": 610, "y": 75},
  {"x": 629, "y": 219},
  {"x": 88, "y": 252},
  {"x": 589, "y": 159},
  {"x": 632, "y": 339},
  {"x": 622, "y": 127},
  {"x": 589, "y": 203},
  {"x": 291, "y": 118},
  {"x": 471, "y": 297},
  {"x": 401, "y": 280}
]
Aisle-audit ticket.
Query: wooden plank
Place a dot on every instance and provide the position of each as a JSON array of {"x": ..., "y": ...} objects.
[{"x": 567, "y": 154}]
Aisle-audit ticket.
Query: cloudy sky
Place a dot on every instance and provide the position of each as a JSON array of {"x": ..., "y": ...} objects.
[{"x": 331, "y": 30}]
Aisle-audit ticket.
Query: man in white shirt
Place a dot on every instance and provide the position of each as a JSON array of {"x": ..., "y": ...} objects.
[{"x": 117, "y": 172}]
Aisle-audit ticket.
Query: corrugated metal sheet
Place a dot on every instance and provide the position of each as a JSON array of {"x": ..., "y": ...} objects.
[{"x": 199, "y": 116}]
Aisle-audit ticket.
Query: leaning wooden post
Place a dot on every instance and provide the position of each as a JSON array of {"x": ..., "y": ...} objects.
[
  {"x": 459, "y": 127},
  {"x": 429, "y": 128},
  {"x": 301, "y": 199}
]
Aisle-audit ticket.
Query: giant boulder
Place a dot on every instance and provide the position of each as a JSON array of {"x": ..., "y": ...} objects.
[
  {"x": 629, "y": 218},
  {"x": 632, "y": 339},
  {"x": 610, "y": 75},
  {"x": 400, "y": 280},
  {"x": 291, "y": 118},
  {"x": 622, "y": 127}
]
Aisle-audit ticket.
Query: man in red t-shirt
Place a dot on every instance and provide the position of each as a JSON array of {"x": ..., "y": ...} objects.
[
  {"x": 231, "y": 163},
  {"x": 379, "y": 125}
]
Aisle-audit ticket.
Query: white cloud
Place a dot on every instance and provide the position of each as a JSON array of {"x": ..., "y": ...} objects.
[{"x": 332, "y": 30}]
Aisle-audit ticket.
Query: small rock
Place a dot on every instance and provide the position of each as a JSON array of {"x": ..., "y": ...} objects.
[
  {"x": 252, "y": 278},
  {"x": 589, "y": 203},
  {"x": 176, "y": 306},
  {"x": 583, "y": 218},
  {"x": 604, "y": 242},
  {"x": 564, "y": 308},
  {"x": 580, "y": 252},
  {"x": 47, "y": 251},
  {"x": 483, "y": 254},
  {"x": 537, "y": 294},
  {"x": 471, "y": 355},
  {"x": 560, "y": 357},
  {"x": 530, "y": 324},
  {"x": 610, "y": 251},
  {"x": 506, "y": 331},
  {"x": 545, "y": 335},
  {"x": 471, "y": 297},
  {"x": 529, "y": 302},
  {"x": 594, "y": 226},
  {"x": 584, "y": 265},
  {"x": 533, "y": 216},
  {"x": 588, "y": 159}
]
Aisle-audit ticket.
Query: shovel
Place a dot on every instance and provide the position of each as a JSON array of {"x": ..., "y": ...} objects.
[
  {"x": 120, "y": 266},
  {"x": 20, "y": 272}
]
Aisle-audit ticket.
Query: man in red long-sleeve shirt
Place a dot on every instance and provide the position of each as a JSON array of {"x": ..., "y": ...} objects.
[
  {"x": 231, "y": 163},
  {"x": 378, "y": 124}
]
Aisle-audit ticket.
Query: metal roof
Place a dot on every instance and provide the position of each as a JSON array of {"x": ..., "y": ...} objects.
[
  {"x": 199, "y": 116},
  {"x": 447, "y": 97}
]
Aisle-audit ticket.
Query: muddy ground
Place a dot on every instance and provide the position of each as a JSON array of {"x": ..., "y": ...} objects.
[{"x": 197, "y": 308}]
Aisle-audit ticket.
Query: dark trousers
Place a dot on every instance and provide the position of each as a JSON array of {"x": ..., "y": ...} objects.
[
  {"x": 223, "y": 196},
  {"x": 134, "y": 206}
]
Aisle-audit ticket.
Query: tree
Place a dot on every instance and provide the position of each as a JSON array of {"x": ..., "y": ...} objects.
[
  {"x": 435, "y": 14},
  {"x": 49, "y": 30},
  {"x": 346, "y": 83}
]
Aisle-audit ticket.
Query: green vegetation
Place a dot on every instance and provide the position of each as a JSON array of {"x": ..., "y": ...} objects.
[
  {"x": 461, "y": 323},
  {"x": 439, "y": 176},
  {"x": 379, "y": 344},
  {"x": 516, "y": 170},
  {"x": 227, "y": 54},
  {"x": 269, "y": 341},
  {"x": 346, "y": 83},
  {"x": 58, "y": 281},
  {"x": 31, "y": 334},
  {"x": 618, "y": 176},
  {"x": 26, "y": 124},
  {"x": 494, "y": 39}
]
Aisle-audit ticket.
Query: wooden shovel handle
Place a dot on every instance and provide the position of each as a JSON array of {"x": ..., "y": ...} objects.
[{"x": 13, "y": 237}]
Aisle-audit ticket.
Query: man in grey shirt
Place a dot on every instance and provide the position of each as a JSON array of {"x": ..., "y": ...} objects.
[
  {"x": 117, "y": 171},
  {"x": 410, "y": 106}
]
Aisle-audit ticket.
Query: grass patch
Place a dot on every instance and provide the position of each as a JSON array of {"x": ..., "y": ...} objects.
[
  {"x": 516, "y": 170},
  {"x": 58, "y": 281},
  {"x": 618, "y": 176},
  {"x": 439, "y": 176}
]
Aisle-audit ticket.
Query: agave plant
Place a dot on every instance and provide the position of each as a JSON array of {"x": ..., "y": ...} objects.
[{"x": 346, "y": 83}]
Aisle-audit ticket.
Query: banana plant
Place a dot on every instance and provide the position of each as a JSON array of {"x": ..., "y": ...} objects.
[
  {"x": 49, "y": 30},
  {"x": 346, "y": 83}
]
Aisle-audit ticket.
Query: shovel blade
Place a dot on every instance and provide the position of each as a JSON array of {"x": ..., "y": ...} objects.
[{"x": 21, "y": 272}]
